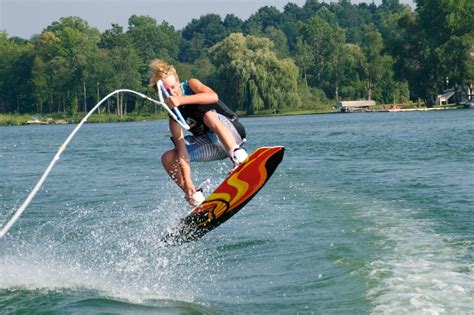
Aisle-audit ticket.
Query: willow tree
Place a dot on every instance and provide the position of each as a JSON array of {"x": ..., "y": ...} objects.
[{"x": 251, "y": 75}]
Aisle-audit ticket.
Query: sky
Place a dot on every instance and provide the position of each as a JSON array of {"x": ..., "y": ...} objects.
[{"x": 24, "y": 18}]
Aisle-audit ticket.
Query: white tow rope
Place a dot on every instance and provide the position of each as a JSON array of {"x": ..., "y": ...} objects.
[{"x": 38, "y": 185}]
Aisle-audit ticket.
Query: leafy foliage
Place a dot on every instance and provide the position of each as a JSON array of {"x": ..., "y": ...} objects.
[
  {"x": 249, "y": 69},
  {"x": 273, "y": 61}
]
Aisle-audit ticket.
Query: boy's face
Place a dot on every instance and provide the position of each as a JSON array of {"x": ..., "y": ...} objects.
[{"x": 171, "y": 83}]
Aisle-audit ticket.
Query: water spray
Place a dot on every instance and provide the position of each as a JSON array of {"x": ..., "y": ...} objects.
[{"x": 174, "y": 114}]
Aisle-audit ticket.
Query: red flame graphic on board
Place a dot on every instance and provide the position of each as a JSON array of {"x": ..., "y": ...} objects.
[{"x": 243, "y": 182}]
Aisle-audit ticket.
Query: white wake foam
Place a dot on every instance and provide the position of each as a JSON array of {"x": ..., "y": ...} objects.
[{"x": 420, "y": 271}]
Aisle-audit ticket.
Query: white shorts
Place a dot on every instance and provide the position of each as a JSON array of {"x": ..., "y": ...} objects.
[{"x": 207, "y": 147}]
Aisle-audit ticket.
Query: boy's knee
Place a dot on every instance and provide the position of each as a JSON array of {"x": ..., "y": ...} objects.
[
  {"x": 210, "y": 119},
  {"x": 168, "y": 157}
]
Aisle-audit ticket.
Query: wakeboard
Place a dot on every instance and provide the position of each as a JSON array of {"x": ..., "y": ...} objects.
[{"x": 240, "y": 186}]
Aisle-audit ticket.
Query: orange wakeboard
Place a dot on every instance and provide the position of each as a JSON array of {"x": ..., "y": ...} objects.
[{"x": 240, "y": 186}]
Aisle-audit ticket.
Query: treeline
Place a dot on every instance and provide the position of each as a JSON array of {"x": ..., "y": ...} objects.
[{"x": 274, "y": 60}]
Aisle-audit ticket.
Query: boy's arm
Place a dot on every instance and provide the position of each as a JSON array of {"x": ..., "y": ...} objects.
[{"x": 203, "y": 95}]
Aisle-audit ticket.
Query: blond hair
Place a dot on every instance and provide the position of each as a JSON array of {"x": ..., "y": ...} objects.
[{"x": 160, "y": 69}]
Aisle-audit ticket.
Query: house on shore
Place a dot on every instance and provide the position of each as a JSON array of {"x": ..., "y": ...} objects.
[
  {"x": 464, "y": 92},
  {"x": 355, "y": 106},
  {"x": 444, "y": 99}
]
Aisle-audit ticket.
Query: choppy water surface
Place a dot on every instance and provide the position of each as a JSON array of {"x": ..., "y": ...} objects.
[{"x": 368, "y": 213}]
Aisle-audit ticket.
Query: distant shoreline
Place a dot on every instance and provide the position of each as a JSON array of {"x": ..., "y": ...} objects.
[{"x": 53, "y": 119}]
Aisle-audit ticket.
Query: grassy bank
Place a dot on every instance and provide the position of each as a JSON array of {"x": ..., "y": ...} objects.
[
  {"x": 59, "y": 119},
  {"x": 55, "y": 119},
  {"x": 13, "y": 119}
]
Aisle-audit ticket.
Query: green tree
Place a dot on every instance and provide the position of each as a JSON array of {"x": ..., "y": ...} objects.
[
  {"x": 15, "y": 75},
  {"x": 232, "y": 24},
  {"x": 386, "y": 20},
  {"x": 20, "y": 85},
  {"x": 76, "y": 41},
  {"x": 374, "y": 62},
  {"x": 200, "y": 34},
  {"x": 126, "y": 64},
  {"x": 450, "y": 32},
  {"x": 114, "y": 37},
  {"x": 352, "y": 18},
  {"x": 101, "y": 74},
  {"x": 303, "y": 58},
  {"x": 74, "y": 107},
  {"x": 392, "y": 6},
  {"x": 411, "y": 54},
  {"x": 435, "y": 43},
  {"x": 40, "y": 81},
  {"x": 267, "y": 16},
  {"x": 442, "y": 19},
  {"x": 310, "y": 9},
  {"x": 351, "y": 86},
  {"x": 455, "y": 61},
  {"x": 153, "y": 41},
  {"x": 43, "y": 74},
  {"x": 324, "y": 42},
  {"x": 9, "y": 52},
  {"x": 252, "y": 76},
  {"x": 278, "y": 37},
  {"x": 289, "y": 18}
]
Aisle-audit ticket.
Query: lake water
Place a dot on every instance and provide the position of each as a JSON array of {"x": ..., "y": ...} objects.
[{"x": 368, "y": 213}]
